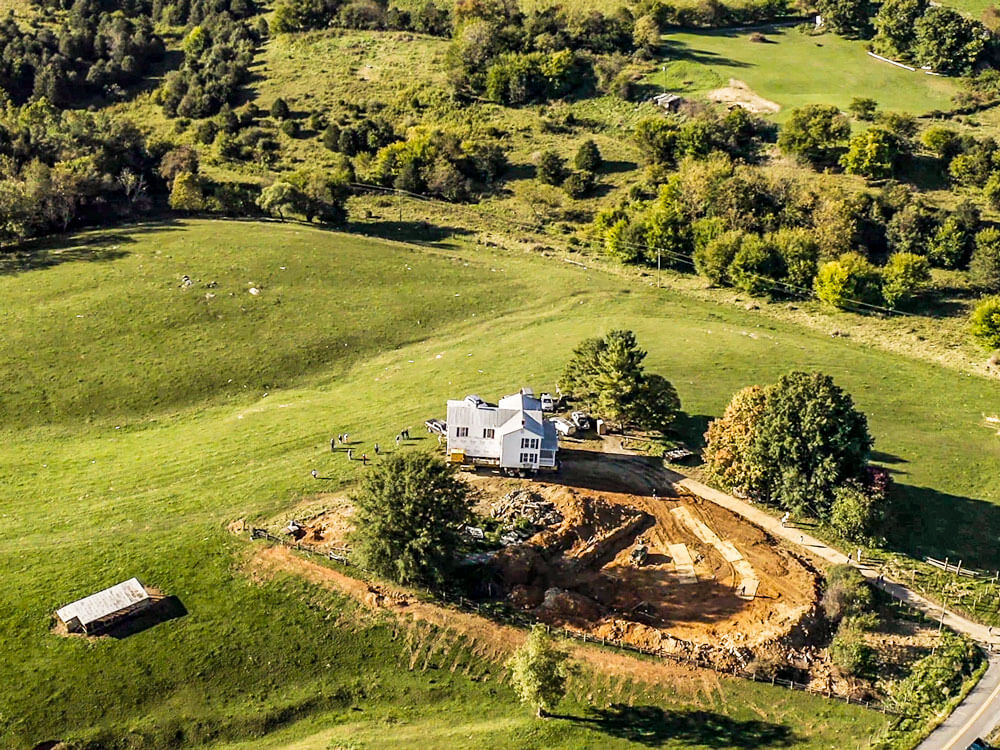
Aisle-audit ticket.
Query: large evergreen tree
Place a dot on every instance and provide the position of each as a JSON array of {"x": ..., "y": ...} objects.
[
  {"x": 606, "y": 374},
  {"x": 408, "y": 513},
  {"x": 809, "y": 440}
]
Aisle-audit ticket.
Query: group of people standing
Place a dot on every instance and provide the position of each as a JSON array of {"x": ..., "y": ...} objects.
[{"x": 343, "y": 439}]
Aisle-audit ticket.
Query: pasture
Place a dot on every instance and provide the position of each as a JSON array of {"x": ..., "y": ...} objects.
[
  {"x": 793, "y": 69},
  {"x": 142, "y": 416}
]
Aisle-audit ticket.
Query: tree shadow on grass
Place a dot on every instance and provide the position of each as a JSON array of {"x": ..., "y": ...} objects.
[
  {"x": 92, "y": 246},
  {"x": 691, "y": 428},
  {"x": 652, "y": 726},
  {"x": 408, "y": 231},
  {"x": 614, "y": 167},
  {"x": 925, "y": 521},
  {"x": 676, "y": 50}
]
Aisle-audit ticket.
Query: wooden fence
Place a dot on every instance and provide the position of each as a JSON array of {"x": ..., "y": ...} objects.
[{"x": 519, "y": 619}]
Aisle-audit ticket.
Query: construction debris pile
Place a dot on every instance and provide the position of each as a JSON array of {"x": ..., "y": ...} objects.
[{"x": 523, "y": 512}]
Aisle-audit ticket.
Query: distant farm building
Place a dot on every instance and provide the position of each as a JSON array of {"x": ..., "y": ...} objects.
[
  {"x": 512, "y": 435},
  {"x": 97, "y": 612},
  {"x": 668, "y": 102}
]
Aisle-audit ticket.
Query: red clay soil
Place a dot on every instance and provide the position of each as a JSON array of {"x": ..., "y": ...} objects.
[
  {"x": 488, "y": 639},
  {"x": 580, "y": 575}
]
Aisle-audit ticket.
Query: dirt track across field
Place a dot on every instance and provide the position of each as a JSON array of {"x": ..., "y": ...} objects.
[{"x": 487, "y": 638}]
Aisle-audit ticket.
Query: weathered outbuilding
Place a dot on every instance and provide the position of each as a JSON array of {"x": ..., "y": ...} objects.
[{"x": 98, "y": 611}]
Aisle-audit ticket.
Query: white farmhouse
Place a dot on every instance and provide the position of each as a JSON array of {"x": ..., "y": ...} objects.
[{"x": 513, "y": 434}]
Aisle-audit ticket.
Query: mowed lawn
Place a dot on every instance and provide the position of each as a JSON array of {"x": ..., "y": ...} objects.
[
  {"x": 794, "y": 69},
  {"x": 141, "y": 417}
]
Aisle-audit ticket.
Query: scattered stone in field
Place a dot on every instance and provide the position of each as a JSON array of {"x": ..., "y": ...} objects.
[
  {"x": 209, "y": 295},
  {"x": 186, "y": 282},
  {"x": 254, "y": 291}
]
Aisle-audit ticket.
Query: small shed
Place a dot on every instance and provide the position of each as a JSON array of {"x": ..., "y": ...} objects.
[
  {"x": 668, "y": 102},
  {"x": 97, "y": 611}
]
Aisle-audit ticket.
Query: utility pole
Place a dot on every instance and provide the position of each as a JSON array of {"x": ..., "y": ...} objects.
[{"x": 657, "y": 268}]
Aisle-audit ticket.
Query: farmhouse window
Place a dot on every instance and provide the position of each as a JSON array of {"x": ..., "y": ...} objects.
[
  {"x": 488, "y": 433},
  {"x": 461, "y": 432},
  {"x": 529, "y": 458}
]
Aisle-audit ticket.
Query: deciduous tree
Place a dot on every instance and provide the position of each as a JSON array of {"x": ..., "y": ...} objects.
[
  {"x": 985, "y": 323},
  {"x": 538, "y": 672},
  {"x": 814, "y": 132}
]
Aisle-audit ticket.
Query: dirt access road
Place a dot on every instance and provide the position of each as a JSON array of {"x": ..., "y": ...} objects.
[
  {"x": 483, "y": 637},
  {"x": 979, "y": 713}
]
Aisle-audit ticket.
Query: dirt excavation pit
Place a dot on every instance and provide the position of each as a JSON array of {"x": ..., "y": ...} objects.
[{"x": 709, "y": 582}]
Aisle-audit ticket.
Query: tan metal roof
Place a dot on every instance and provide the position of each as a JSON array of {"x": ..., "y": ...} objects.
[{"x": 104, "y": 603}]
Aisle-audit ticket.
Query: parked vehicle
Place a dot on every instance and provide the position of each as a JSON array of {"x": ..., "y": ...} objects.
[
  {"x": 581, "y": 420},
  {"x": 563, "y": 426},
  {"x": 436, "y": 425},
  {"x": 548, "y": 403}
]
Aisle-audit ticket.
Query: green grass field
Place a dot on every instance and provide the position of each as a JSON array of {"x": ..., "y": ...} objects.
[
  {"x": 140, "y": 418},
  {"x": 793, "y": 69}
]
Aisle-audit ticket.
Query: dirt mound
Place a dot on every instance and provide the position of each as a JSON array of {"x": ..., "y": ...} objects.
[
  {"x": 739, "y": 94},
  {"x": 568, "y": 606}
]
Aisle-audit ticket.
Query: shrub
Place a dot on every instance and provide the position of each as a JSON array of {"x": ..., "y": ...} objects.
[
  {"x": 871, "y": 154},
  {"x": 578, "y": 184},
  {"x": 851, "y": 654},
  {"x": 847, "y": 593},
  {"x": 984, "y": 268},
  {"x": 331, "y": 137},
  {"x": 588, "y": 157},
  {"x": 856, "y": 513},
  {"x": 713, "y": 259},
  {"x": 985, "y": 323},
  {"x": 279, "y": 109},
  {"x": 848, "y": 280},
  {"x": 943, "y": 142},
  {"x": 863, "y": 108},
  {"x": 903, "y": 276},
  {"x": 551, "y": 168},
  {"x": 290, "y": 128},
  {"x": 757, "y": 266},
  {"x": 936, "y": 678},
  {"x": 814, "y": 132},
  {"x": 799, "y": 253},
  {"x": 185, "y": 193},
  {"x": 950, "y": 245}
]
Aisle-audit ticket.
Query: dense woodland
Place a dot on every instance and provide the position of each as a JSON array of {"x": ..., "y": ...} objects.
[{"x": 701, "y": 202}]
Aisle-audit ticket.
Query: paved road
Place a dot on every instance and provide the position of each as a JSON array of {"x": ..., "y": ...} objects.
[
  {"x": 979, "y": 713},
  {"x": 973, "y": 719}
]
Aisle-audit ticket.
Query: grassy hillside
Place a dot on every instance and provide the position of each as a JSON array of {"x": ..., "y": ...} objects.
[
  {"x": 141, "y": 474},
  {"x": 793, "y": 69}
]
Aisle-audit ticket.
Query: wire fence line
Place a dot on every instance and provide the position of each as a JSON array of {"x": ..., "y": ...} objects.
[{"x": 522, "y": 620}]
